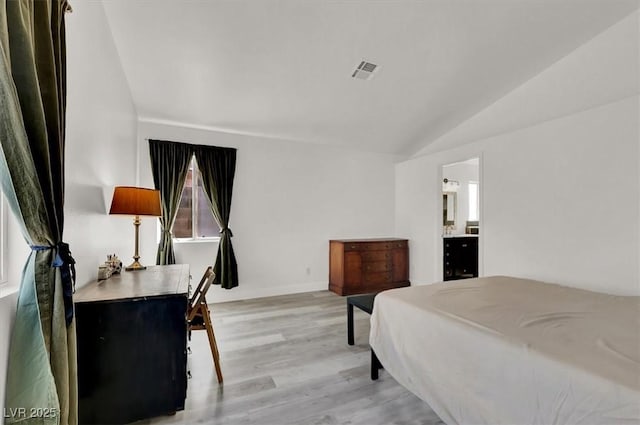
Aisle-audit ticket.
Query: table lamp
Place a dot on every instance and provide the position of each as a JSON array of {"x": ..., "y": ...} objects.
[{"x": 135, "y": 201}]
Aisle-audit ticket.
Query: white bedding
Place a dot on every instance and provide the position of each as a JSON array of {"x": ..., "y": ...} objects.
[{"x": 501, "y": 350}]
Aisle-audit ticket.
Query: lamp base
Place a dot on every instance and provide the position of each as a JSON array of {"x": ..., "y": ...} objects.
[{"x": 135, "y": 266}]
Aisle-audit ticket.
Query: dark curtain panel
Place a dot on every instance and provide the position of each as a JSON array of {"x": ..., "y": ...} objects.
[
  {"x": 170, "y": 165},
  {"x": 42, "y": 355},
  {"x": 218, "y": 167}
]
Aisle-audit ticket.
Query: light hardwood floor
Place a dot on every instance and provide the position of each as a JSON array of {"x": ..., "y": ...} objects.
[{"x": 286, "y": 360}]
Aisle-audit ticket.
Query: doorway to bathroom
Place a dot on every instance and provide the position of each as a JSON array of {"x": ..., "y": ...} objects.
[{"x": 460, "y": 219}]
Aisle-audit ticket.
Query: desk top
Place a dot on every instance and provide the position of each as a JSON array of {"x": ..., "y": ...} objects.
[{"x": 152, "y": 282}]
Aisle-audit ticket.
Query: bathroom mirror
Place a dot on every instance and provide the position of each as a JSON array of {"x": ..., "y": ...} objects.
[{"x": 449, "y": 205}]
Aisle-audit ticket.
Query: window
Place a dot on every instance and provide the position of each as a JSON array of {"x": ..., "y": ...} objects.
[
  {"x": 4, "y": 211},
  {"x": 473, "y": 201},
  {"x": 194, "y": 219}
]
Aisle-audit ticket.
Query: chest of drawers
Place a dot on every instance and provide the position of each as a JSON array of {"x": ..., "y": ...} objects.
[{"x": 358, "y": 266}]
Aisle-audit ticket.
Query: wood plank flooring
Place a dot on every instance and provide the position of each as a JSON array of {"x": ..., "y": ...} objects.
[{"x": 286, "y": 360}]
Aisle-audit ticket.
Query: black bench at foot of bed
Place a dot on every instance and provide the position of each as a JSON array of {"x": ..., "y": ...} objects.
[{"x": 375, "y": 365}]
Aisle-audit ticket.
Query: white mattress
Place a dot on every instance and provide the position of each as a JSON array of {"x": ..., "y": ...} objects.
[{"x": 501, "y": 350}]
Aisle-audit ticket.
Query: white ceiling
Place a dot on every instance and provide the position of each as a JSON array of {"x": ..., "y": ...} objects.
[{"x": 282, "y": 68}]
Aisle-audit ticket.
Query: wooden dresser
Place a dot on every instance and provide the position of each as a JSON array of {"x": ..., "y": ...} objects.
[
  {"x": 132, "y": 345},
  {"x": 358, "y": 266}
]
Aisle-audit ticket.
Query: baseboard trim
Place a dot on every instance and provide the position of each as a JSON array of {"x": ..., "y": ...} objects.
[{"x": 247, "y": 291}]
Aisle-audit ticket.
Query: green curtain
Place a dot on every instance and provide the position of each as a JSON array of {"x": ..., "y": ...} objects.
[
  {"x": 170, "y": 165},
  {"x": 218, "y": 167},
  {"x": 41, "y": 379}
]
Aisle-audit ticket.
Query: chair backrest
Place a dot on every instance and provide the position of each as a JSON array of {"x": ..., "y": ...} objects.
[{"x": 199, "y": 295}]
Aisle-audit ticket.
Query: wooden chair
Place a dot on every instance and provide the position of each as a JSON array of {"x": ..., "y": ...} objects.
[{"x": 199, "y": 318}]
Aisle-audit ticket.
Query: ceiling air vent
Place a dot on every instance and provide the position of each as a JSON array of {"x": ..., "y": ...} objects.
[{"x": 365, "y": 70}]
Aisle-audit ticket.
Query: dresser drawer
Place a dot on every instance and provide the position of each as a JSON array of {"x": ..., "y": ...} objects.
[
  {"x": 375, "y": 278},
  {"x": 369, "y": 256},
  {"x": 354, "y": 246},
  {"x": 378, "y": 246},
  {"x": 377, "y": 266},
  {"x": 399, "y": 244},
  {"x": 460, "y": 243},
  {"x": 367, "y": 246}
]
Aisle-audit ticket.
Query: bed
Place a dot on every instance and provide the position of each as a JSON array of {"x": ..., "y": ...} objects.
[{"x": 501, "y": 350}]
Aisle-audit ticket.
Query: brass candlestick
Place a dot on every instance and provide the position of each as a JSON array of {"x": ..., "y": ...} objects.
[{"x": 136, "y": 256}]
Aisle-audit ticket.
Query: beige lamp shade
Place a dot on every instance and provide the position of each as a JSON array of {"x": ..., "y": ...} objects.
[{"x": 135, "y": 201}]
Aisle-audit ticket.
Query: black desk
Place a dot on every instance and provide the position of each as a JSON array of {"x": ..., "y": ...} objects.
[
  {"x": 364, "y": 303},
  {"x": 132, "y": 340}
]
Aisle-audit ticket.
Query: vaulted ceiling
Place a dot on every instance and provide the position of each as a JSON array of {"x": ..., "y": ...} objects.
[{"x": 283, "y": 68}]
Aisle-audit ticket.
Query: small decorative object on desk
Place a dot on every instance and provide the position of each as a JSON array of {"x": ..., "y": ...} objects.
[
  {"x": 104, "y": 272},
  {"x": 113, "y": 265}
]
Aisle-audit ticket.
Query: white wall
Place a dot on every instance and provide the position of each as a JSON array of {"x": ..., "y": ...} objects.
[
  {"x": 289, "y": 199},
  {"x": 100, "y": 152},
  {"x": 560, "y": 195},
  {"x": 101, "y": 142}
]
